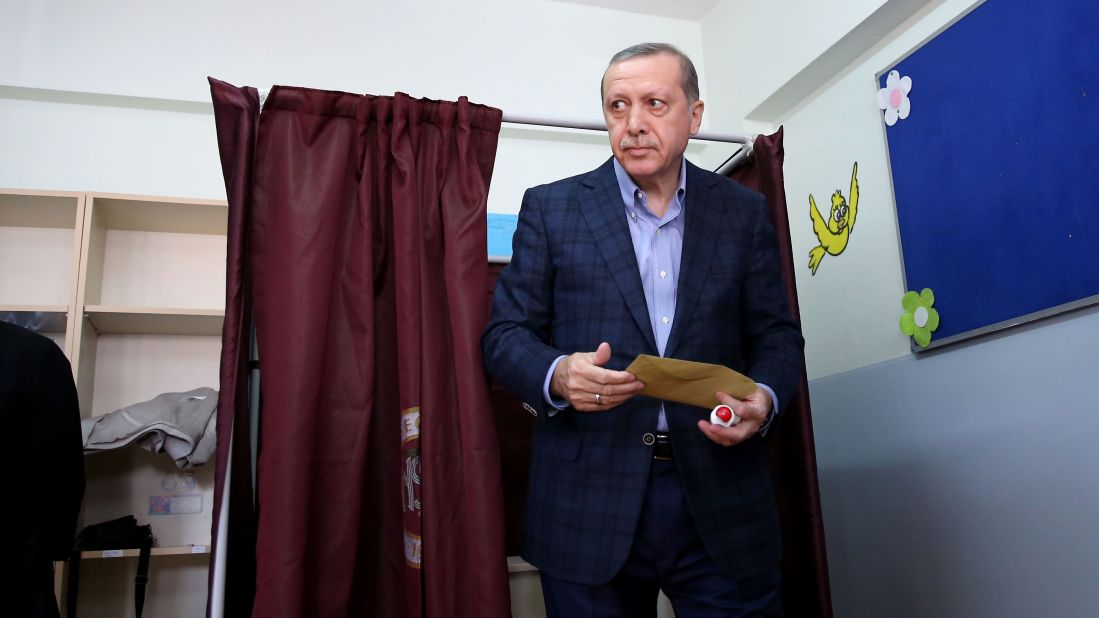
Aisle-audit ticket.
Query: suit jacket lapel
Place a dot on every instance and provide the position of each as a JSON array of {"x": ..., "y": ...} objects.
[
  {"x": 699, "y": 238},
  {"x": 606, "y": 219}
]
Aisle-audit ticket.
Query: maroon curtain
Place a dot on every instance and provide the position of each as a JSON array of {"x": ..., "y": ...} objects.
[
  {"x": 378, "y": 472},
  {"x": 236, "y": 114},
  {"x": 806, "y": 591}
]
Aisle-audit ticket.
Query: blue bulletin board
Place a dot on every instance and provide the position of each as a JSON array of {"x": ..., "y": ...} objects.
[{"x": 995, "y": 165}]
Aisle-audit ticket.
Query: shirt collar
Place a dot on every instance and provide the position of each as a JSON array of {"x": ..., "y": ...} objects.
[{"x": 629, "y": 188}]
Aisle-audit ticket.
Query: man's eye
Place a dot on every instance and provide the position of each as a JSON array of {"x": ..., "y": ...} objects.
[
  {"x": 656, "y": 103},
  {"x": 618, "y": 105}
]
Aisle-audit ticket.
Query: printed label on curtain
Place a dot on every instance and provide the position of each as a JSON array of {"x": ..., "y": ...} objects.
[
  {"x": 413, "y": 550},
  {"x": 410, "y": 425},
  {"x": 411, "y": 486},
  {"x": 412, "y": 482}
]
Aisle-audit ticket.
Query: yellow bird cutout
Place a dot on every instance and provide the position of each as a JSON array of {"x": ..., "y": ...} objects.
[{"x": 834, "y": 232}]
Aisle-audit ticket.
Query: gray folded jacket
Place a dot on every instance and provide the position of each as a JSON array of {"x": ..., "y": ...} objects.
[{"x": 180, "y": 424}]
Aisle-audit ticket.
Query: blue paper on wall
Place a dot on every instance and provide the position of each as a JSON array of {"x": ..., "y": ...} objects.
[{"x": 500, "y": 230}]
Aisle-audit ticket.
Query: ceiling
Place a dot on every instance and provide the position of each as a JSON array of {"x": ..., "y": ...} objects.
[{"x": 693, "y": 10}]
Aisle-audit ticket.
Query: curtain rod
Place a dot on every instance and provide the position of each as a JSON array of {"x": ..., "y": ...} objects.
[
  {"x": 563, "y": 123},
  {"x": 569, "y": 123},
  {"x": 547, "y": 121}
]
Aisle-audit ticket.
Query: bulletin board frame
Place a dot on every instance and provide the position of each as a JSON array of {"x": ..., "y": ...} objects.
[{"x": 992, "y": 201}]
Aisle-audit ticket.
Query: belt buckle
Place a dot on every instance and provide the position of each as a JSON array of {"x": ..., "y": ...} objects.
[{"x": 662, "y": 446}]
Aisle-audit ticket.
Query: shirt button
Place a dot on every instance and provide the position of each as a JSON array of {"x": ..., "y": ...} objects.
[
  {"x": 664, "y": 319},
  {"x": 663, "y": 274}
]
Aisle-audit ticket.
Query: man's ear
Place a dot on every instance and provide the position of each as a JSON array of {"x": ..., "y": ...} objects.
[{"x": 696, "y": 116}]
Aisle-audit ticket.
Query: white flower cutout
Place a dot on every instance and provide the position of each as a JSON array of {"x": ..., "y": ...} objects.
[{"x": 894, "y": 97}]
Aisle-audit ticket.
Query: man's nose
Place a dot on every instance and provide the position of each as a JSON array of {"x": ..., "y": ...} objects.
[{"x": 636, "y": 121}]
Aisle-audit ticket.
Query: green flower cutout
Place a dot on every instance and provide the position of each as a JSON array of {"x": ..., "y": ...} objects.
[{"x": 919, "y": 319}]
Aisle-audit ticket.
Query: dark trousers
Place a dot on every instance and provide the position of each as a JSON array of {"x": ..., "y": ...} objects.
[
  {"x": 26, "y": 589},
  {"x": 667, "y": 555}
]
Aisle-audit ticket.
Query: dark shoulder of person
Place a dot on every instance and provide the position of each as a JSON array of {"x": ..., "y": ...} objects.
[
  {"x": 22, "y": 355},
  {"x": 41, "y": 464}
]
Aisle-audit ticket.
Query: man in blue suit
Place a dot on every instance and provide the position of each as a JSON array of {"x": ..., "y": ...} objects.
[{"x": 647, "y": 254}]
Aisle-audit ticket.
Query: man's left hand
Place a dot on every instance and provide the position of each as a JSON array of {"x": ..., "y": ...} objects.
[{"x": 753, "y": 411}]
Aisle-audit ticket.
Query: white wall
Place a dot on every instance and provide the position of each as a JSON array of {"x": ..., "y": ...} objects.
[
  {"x": 528, "y": 56},
  {"x": 753, "y": 48},
  {"x": 112, "y": 96},
  {"x": 953, "y": 483},
  {"x": 961, "y": 484},
  {"x": 522, "y": 53},
  {"x": 804, "y": 64},
  {"x": 850, "y": 308}
]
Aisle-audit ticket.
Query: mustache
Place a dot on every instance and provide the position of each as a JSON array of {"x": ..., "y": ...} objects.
[{"x": 642, "y": 141}]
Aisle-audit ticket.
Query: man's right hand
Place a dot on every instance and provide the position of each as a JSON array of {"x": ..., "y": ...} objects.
[{"x": 578, "y": 378}]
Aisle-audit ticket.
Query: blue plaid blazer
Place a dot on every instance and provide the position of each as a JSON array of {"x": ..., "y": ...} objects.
[{"x": 573, "y": 282}]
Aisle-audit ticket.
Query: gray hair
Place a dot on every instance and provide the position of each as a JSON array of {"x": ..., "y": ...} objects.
[{"x": 688, "y": 75}]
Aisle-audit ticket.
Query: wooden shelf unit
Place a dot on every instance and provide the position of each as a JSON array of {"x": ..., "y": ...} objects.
[
  {"x": 151, "y": 266},
  {"x": 40, "y": 237},
  {"x": 186, "y": 550},
  {"x": 154, "y": 320},
  {"x": 132, "y": 287}
]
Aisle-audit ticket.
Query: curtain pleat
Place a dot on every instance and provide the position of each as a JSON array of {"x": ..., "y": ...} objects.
[{"x": 236, "y": 115}]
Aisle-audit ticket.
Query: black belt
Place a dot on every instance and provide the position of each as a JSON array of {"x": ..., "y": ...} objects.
[{"x": 661, "y": 443}]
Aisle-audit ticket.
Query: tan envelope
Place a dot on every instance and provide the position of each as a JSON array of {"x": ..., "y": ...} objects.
[{"x": 687, "y": 381}]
